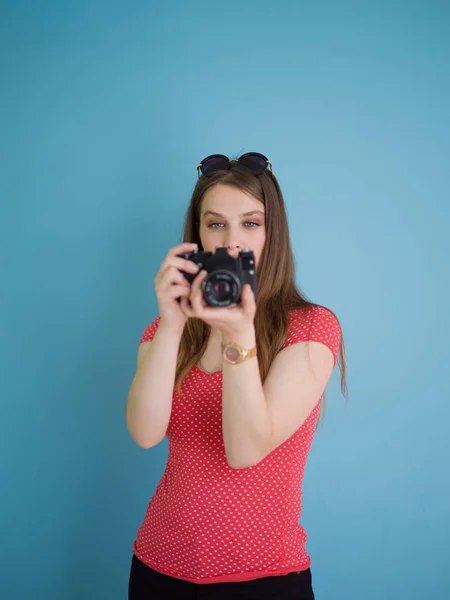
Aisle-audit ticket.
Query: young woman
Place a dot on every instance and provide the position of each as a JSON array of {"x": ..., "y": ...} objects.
[{"x": 237, "y": 390}]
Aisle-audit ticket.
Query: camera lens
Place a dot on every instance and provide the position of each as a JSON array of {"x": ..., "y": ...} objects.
[{"x": 221, "y": 288}]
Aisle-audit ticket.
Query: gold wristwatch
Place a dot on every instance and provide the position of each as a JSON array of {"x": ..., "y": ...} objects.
[{"x": 235, "y": 354}]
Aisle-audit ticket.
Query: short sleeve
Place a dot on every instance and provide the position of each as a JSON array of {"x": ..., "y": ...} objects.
[
  {"x": 150, "y": 331},
  {"x": 315, "y": 324}
]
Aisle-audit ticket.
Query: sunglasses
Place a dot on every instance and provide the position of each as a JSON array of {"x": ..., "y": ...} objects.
[{"x": 257, "y": 163}]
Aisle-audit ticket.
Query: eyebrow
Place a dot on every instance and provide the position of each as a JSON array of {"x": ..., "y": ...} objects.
[{"x": 246, "y": 214}]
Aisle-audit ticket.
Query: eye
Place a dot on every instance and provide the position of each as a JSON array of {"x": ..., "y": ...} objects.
[
  {"x": 212, "y": 225},
  {"x": 252, "y": 223}
]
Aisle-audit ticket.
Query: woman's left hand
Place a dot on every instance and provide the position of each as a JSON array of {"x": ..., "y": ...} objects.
[{"x": 231, "y": 320}]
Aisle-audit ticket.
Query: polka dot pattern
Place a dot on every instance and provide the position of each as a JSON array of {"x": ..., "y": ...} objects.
[{"x": 209, "y": 523}]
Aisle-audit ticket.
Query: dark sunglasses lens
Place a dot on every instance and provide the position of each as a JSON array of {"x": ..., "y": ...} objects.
[
  {"x": 256, "y": 164},
  {"x": 216, "y": 163}
]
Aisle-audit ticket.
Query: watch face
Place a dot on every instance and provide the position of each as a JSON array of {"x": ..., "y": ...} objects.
[{"x": 232, "y": 354}]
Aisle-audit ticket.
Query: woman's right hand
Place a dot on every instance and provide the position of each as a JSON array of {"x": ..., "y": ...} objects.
[{"x": 171, "y": 284}]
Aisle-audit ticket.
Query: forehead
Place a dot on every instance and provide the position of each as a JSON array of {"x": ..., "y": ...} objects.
[{"x": 228, "y": 200}]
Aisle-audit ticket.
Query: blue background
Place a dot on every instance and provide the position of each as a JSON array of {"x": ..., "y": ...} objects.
[{"x": 106, "y": 109}]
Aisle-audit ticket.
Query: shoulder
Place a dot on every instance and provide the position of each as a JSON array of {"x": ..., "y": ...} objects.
[
  {"x": 150, "y": 330},
  {"x": 314, "y": 324}
]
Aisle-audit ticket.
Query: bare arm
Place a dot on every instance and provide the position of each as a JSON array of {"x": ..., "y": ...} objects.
[
  {"x": 149, "y": 402},
  {"x": 256, "y": 418},
  {"x": 246, "y": 424}
]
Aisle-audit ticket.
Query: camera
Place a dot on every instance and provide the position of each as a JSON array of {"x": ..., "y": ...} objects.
[{"x": 226, "y": 275}]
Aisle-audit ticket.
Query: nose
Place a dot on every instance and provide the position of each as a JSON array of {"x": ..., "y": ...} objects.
[
  {"x": 232, "y": 239},
  {"x": 233, "y": 249}
]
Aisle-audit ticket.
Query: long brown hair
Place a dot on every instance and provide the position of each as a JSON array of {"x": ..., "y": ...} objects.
[{"x": 277, "y": 291}]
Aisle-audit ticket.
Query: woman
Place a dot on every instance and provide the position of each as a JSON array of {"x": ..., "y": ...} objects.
[{"x": 237, "y": 390}]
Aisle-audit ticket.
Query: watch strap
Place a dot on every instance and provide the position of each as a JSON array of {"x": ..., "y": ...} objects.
[{"x": 242, "y": 354}]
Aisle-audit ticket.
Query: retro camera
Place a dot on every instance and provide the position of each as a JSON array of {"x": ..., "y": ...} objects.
[{"x": 226, "y": 275}]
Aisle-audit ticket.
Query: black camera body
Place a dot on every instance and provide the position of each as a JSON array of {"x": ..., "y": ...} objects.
[{"x": 226, "y": 275}]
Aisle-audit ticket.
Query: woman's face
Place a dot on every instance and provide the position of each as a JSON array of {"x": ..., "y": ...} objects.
[{"x": 230, "y": 217}]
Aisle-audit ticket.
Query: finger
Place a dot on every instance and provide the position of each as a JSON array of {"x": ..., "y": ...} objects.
[
  {"x": 197, "y": 300},
  {"x": 248, "y": 299},
  {"x": 197, "y": 284},
  {"x": 184, "y": 247},
  {"x": 182, "y": 264},
  {"x": 171, "y": 276},
  {"x": 178, "y": 291},
  {"x": 184, "y": 303}
]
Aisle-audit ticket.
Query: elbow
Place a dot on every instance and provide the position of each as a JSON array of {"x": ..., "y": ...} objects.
[
  {"x": 144, "y": 443},
  {"x": 141, "y": 440},
  {"x": 232, "y": 463},
  {"x": 239, "y": 467},
  {"x": 243, "y": 464},
  {"x": 139, "y": 434},
  {"x": 246, "y": 462}
]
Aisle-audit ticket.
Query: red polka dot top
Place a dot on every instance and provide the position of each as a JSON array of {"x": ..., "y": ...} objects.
[{"x": 209, "y": 523}]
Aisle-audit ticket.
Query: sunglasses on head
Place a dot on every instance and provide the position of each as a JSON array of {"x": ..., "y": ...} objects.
[{"x": 257, "y": 163}]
